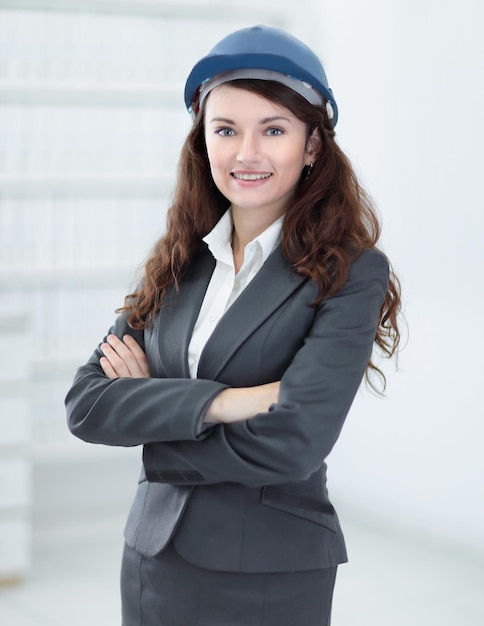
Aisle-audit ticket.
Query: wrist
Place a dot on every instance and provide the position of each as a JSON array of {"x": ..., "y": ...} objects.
[{"x": 214, "y": 412}]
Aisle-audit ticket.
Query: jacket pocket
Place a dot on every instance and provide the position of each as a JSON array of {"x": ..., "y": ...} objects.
[{"x": 310, "y": 509}]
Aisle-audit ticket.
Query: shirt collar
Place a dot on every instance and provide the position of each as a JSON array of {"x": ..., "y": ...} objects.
[
  {"x": 270, "y": 237},
  {"x": 219, "y": 239}
]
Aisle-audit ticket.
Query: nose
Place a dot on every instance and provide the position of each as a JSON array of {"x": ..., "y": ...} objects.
[{"x": 249, "y": 149}]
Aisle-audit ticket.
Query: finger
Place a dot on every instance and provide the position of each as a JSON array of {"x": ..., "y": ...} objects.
[
  {"x": 138, "y": 353},
  {"x": 115, "y": 361},
  {"x": 107, "y": 368},
  {"x": 130, "y": 364}
]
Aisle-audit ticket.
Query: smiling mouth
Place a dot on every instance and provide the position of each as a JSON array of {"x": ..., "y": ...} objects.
[{"x": 251, "y": 176}]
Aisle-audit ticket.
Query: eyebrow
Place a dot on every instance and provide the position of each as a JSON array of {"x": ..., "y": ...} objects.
[{"x": 265, "y": 120}]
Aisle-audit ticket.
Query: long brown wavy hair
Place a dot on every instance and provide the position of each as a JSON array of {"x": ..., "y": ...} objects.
[{"x": 331, "y": 221}]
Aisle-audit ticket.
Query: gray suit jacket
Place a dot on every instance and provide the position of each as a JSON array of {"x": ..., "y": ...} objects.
[{"x": 250, "y": 496}]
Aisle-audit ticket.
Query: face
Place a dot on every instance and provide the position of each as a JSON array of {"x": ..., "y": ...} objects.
[{"x": 256, "y": 149}]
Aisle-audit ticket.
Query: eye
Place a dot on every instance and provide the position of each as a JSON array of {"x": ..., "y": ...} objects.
[
  {"x": 274, "y": 132},
  {"x": 225, "y": 132}
]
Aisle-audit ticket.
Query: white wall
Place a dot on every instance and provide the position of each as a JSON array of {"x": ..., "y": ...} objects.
[{"x": 408, "y": 80}]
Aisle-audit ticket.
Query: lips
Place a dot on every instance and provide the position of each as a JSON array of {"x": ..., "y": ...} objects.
[{"x": 251, "y": 176}]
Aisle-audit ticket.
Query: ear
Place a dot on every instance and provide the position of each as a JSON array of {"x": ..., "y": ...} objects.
[{"x": 313, "y": 146}]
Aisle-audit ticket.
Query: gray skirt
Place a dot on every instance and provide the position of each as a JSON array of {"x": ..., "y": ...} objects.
[{"x": 166, "y": 590}]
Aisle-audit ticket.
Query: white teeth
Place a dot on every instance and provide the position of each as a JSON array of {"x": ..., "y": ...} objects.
[{"x": 250, "y": 176}]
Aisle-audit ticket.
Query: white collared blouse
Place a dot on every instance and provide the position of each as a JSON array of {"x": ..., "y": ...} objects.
[{"x": 225, "y": 285}]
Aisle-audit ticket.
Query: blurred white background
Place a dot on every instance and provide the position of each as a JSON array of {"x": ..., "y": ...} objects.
[{"x": 91, "y": 121}]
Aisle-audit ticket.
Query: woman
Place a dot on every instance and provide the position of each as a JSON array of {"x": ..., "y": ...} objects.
[{"x": 236, "y": 361}]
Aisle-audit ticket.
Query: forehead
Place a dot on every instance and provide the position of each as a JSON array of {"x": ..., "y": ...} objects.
[{"x": 238, "y": 101}]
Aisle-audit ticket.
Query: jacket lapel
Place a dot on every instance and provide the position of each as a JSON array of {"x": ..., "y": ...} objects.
[
  {"x": 176, "y": 319},
  {"x": 269, "y": 289}
]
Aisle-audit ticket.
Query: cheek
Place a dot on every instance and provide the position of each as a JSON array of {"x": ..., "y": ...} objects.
[
  {"x": 217, "y": 169},
  {"x": 215, "y": 157},
  {"x": 292, "y": 154},
  {"x": 293, "y": 160}
]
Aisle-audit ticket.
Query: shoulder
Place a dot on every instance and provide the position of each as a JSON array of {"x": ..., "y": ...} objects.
[
  {"x": 370, "y": 263},
  {"x": 369, "y": 272}
]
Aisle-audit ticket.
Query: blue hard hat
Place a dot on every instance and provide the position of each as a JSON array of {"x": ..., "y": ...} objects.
[{"x": 263, "y": 52}]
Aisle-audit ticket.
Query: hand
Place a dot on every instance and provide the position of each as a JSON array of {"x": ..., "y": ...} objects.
[
  {"x": 238, "y": 404},
  {"x": 123, "y": 359}
]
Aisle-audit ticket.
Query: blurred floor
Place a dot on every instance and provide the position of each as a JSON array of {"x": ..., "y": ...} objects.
[{"x": 390, "y": 581}]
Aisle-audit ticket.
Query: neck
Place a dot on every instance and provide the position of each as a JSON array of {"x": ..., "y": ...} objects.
[{"x": 248, "y": 225}]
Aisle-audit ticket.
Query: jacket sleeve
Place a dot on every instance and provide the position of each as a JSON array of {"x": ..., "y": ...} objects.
[
  {"x": 291, "y": 440},
  {"x": 134, "y": 411}
]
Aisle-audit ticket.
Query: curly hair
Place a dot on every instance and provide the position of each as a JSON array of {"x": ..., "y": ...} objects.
[{"x": 331, "y": 221}]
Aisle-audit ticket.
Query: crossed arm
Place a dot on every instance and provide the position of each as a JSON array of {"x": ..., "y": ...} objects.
[
  {"x": 263, "y": 435},
  {"x": 126, "y": 359}
]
